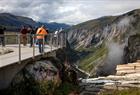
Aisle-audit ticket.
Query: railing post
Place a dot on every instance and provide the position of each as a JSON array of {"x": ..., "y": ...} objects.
[
  {"x": 33, "y": 45},
  {"x": 65, "y": 39},
  {"x": 57, "y": 38},
  {"x": 51, "y": 41},
  {"x": 1, "y": 43},
  {"x": 27, "y": 40},
  {"x": 16, "y": 38},
  {"x": 19, "y": 44},
  {"x": 5, "y": 40},
  {"x": 61, "y": 40},
  {"x": 43, "y": 44}
]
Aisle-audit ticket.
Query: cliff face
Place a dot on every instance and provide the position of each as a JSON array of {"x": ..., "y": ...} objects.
[
  {"x": 102, "y": 41},
  {"x": 95, "y": 31},
  {"x": 132, "y": 50},
  {"x": 90, "y": 32}
]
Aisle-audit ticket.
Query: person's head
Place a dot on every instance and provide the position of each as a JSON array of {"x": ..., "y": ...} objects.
[
  {"x": 44, "y": 27},
  {"x": 61, "y": 29},
  {"x": 23, "y": 27}
]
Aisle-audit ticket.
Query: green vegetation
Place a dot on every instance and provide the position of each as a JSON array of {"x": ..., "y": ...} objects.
[
  {"x": 132, "y": 91},
  {"x": 87, "y": 63},
  {"x": 65, "y": 89},
  {"x": 90, "y": 49}
]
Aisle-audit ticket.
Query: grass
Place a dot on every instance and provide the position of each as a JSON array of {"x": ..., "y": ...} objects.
[
  {"x": 89, "y": 61},
  {"x": 90, "y": 49},
  {"x": 132, "y": 91},
  {"x": 65, "y": 89}
]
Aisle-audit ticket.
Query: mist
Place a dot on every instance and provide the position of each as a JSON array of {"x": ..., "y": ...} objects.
[
  {"x": 125, "y": 22},
  {"x": 115, "y": 50},
  {"x": 114, "y": 57}
]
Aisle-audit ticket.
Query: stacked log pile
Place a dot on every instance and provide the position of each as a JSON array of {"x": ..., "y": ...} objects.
[
  {"x": 129, "y": 68},
  {"x": 127, "y": 76}
]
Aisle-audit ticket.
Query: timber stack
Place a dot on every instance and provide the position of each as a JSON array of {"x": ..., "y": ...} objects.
[{"x": 130, "y": 68}]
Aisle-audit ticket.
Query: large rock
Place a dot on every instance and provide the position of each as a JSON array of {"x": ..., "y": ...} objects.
[{"x": 43, "y": 77}]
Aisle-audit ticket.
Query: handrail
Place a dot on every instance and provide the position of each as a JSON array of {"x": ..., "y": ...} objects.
[
  {"x": 19, "y": 43},
  {"x": 58, "y": 41}
]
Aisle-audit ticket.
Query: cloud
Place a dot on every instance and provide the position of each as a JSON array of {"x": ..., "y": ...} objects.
[{"x": 67, "y": 11}]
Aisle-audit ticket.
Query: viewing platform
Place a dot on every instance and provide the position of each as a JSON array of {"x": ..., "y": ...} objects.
[{"x": 26, "y": 53}]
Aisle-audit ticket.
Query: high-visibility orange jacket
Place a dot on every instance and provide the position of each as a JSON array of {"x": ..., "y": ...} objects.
[{"x": 41, "y": 32}]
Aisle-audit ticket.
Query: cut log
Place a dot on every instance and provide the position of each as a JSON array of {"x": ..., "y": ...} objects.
[
  {"x": 112, "y": 77},
  {"x": 138, "y": 61},
  {"x": 123, "y": 72},
  {"x": 125, "y": 68},
  {"x": 127, "y": 71},
  {"x": 124, "y": 86},
  {"x": 128, "y": 68},
  {"x": 129, "y": 64}
]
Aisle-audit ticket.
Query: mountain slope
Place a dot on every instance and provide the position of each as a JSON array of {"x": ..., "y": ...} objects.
[
  {"x": 13, "y": 22},
  {"x": 101, "y": 41}
]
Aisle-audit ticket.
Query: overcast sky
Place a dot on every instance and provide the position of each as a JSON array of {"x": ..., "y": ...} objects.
[{"x": 67, "y": 11}]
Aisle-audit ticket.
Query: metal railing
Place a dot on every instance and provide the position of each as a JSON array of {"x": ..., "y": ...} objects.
[{"x": 57, "y": 41}]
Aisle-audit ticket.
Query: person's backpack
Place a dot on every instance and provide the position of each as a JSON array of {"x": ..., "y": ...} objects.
[{"x": 47, "y": 31}]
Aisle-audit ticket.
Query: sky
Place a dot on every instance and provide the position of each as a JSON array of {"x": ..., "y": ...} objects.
[{"x": 67, "y": 11}]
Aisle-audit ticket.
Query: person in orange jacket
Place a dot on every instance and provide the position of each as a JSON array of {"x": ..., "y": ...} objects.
[{"x": 41, "y": 33}]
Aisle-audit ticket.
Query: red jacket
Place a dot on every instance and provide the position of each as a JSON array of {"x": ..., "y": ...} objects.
[{"x": 24, "y": 31}]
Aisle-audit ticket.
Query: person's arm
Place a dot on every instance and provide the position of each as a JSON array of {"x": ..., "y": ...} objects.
[
  {"x": 29, "y": 30},
  {"x": 45, "y": 32},
  {"x": 36, "y": 33},
  {"x": 21, "y": 30}
]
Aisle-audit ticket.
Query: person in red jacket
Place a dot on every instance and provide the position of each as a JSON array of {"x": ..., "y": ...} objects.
[{"x": 24, "y": 32}]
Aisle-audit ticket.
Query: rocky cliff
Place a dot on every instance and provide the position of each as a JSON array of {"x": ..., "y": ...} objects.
[
  {"x": 101, "y": 41},
  {"x": 94, "y": 31},
  {"x": 132, "y": 50}
]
